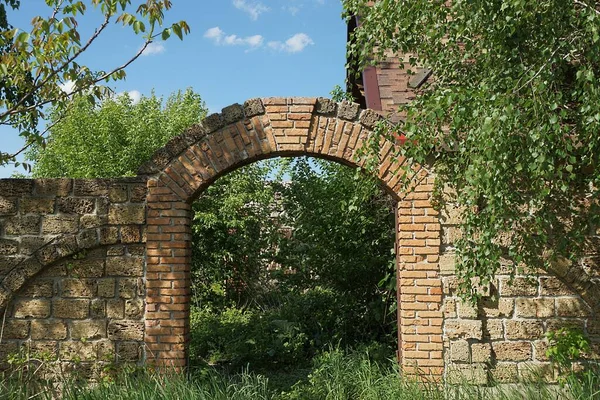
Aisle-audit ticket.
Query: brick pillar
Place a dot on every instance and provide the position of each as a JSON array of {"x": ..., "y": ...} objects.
[
  {"x": 419, "y": 284},
  {"x": 167, "y": 277}
]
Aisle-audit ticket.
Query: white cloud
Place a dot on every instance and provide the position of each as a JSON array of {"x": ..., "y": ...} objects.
[
  {"x": 292, "y": 9},
  {"x": 295, "y": 44},
  {"x": 134, "y": 95},
  {"x": 67, "y": 87},
  {"x": 252, "y": 8},
  {"x": 218, "y": 36},
  {"x": 154, "y": 48}
]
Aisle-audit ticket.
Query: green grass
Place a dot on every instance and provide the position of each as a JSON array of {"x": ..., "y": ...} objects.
[{"x": 334, "y": 376}]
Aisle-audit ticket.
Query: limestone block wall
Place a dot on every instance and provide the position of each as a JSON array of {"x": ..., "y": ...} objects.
[
  {"x": 502, "y": 337},
  {"x": 71, "y": 272}
]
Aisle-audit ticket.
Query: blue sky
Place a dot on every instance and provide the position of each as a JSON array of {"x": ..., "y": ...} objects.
[{"x": 237, "y": 49}]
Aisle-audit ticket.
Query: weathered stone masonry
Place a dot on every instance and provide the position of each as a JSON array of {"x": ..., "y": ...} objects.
[{"x": 98, "y": 271}]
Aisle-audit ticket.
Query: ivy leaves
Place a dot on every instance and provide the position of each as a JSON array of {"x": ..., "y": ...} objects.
[{"x": 514, "y": 102}]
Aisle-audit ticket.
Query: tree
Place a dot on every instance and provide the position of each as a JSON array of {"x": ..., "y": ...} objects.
[
  {"x": 515, "y": 107},
  {"x": 124, "y": 134},
  {"x": 36, "y": 64}
]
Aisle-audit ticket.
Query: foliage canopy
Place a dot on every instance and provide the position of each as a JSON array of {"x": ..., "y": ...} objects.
[
  {"x": 40, "y": 65},
  {"x": 510, "y": 118}
]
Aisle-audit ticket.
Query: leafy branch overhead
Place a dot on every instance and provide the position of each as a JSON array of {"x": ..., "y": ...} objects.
[
  {"x": 37, "y": 63},
  {"x": 510, "y": 119}
]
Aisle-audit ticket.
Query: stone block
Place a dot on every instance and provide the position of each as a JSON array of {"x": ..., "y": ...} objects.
[
  {"x": 78, "y": 351},
  {"x": 16, "y": 329},
  {"x": 48, "y": 330},
  {"x": 57, "y": 224},
  {"x": 470, "y": 374},
  {"x": 86, "y": 268},
  {"x": 126, "y": 330},
  {"x": 572, "y": 307},
  {"x": 213, "y": 122},
  {"x": 481, "y": 352},
  {"x": 97, "y": 308},
  {"x": 16, "y": 187},
  {"x": 552, "y": 286},
  {"x": 232, "y": 113},
  {"x": 70, "y": 308},
  {"x": 326, "y": 106},
  {"x": 109, "y": 235},
  {"x": 536, "y": 371},
  {"x": 464, "y": 329},
  {"x": 76, "y": 205},
  {"x": 90, "y": 187},
  {"x": 130, "y": 234},
  {"x": 19, "y": 275},
  {"x": 64, "y": 246},
  {"x": 134, "y": 308},
  {"x": 494, "y": 329},
  {"x": 22, "y": 225},
  {"x": 459, "y": 351},
  {"x": 524, "y": 329},
  {"x": 8, "y": 247},
  {"x": 37, "y": 205},
  {"x": 124, "y": 266},
  {"x": 467, "y": 310},
  {"x": 348, "y": 111},
  {"x": 138, "y": 193},
  {"x": 540, "y": 347},
  {"x": 129, "y": 352},
  {"x": 31, "y": 244},
  {"x": 369, "y": 119},
  {"x": 117, "y": 193},
  {"x": 512, "y": 351},
  {"x": 115, "y": 308},
  {"x": 534, "y": 307},
  {"x": 8, "y": 206},
  {"x": 450, "y": 308},
  {"x": 126, "y": 214},
  {"x": 106, "y": 288},
  {"x": 127, "y": 288},
  {"x": 518, "y": 286},
  {"x": 498, "y": 307},
  {"x": 253, "y": 107},
  {"x": 39, "y": 288},
  {"x": 53, "y": 187},
  {"x": 92, "y": 221},
  {"x": 73, "y": 287},
  {"x": 88, "y": 329},
  {"x": 504, "y": 372},
  {"x": 37, "y": 308},
  {"x": 447, "y": 264}
]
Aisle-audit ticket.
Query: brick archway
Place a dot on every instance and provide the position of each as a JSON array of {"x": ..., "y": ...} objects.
[{"x": 266, "y": 128}]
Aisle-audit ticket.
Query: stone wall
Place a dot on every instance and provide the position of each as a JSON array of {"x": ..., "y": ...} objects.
[
  {"x": 71, "y": 272},
  {"x": 97, "y": 272},
  {"x": 502, "y": 337}
]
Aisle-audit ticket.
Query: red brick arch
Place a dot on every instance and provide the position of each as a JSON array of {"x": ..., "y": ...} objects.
[{"x": 266, "y": 128}]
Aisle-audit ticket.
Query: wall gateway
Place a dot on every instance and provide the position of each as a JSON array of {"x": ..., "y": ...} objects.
[{"x": 97, "y": 271}]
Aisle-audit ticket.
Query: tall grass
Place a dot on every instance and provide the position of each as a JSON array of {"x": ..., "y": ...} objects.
[{"x": 334, "y": 376}]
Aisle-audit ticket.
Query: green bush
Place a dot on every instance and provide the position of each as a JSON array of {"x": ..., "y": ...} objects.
[{"x": 287, "y": 333}]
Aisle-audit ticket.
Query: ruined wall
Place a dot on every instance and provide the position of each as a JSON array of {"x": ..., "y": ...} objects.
[
  {"x": 502, "y": 337},
  {"x": 97, "y": 272},
  {"x": 71, "y": 272}
]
